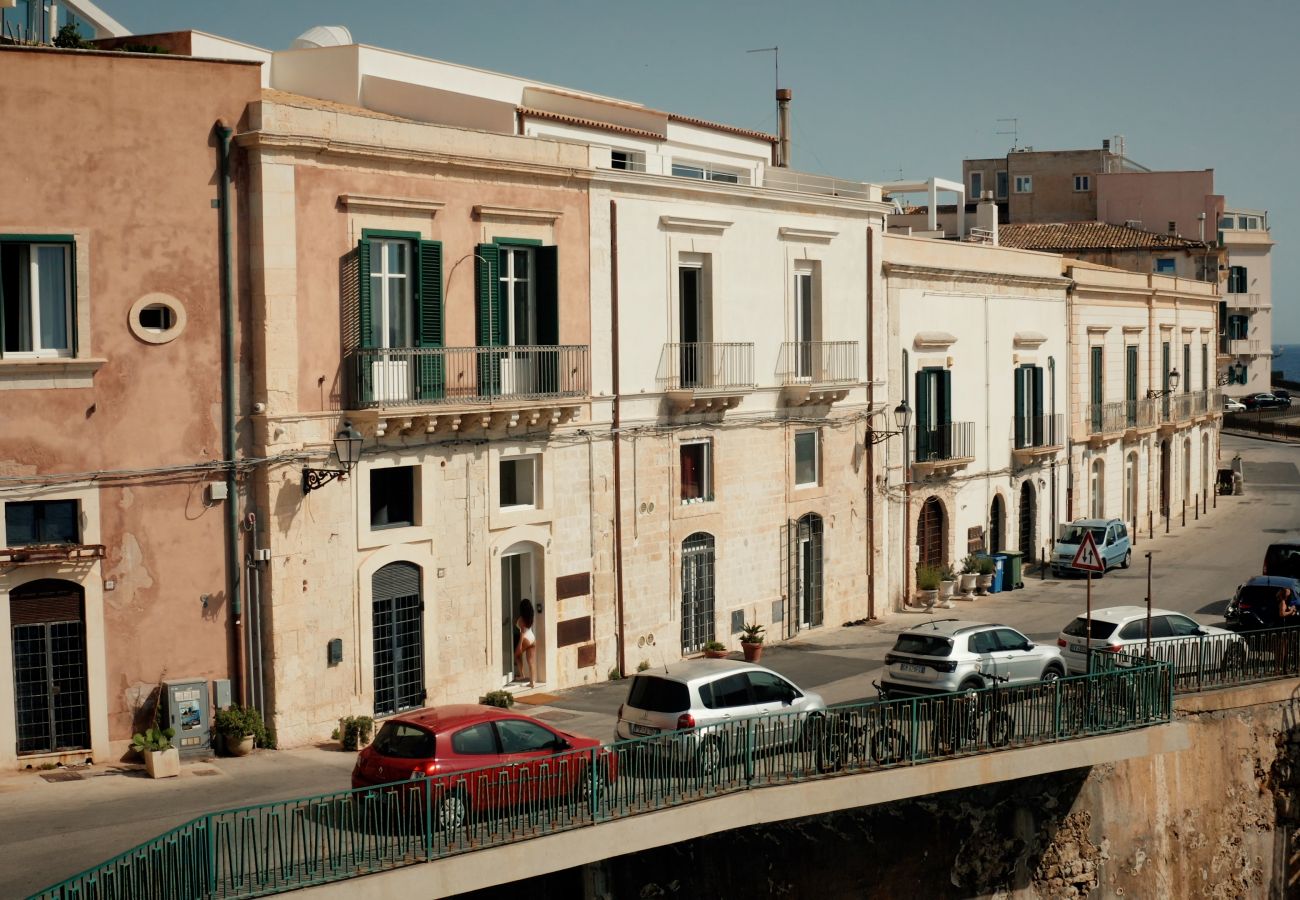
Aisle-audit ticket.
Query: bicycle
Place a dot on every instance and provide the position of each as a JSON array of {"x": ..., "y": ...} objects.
[
  {"x": 958, "y": 718},
  {"x": 853, "y": 735}
]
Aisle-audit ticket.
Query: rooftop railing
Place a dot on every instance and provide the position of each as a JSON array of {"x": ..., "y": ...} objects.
[{"x": 806, "y": 183}]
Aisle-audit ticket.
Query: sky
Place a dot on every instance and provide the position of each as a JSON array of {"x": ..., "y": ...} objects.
[{"x": 885, "y": 89}]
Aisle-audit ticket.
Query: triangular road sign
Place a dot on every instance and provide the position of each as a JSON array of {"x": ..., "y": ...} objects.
[{"x": 1087, "y": 557}]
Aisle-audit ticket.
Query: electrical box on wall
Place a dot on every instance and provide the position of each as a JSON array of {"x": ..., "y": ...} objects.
[
  {"x": 221, "y": 693},
  {"x": 189, "y": 712},
  {"x": 217, "y": 490}
]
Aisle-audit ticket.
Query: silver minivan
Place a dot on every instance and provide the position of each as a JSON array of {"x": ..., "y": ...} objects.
[{"x": 692, "y": 704}]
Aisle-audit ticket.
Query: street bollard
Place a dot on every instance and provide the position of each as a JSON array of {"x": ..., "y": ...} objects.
[
  {"x": 1151, "y": 528},
  {"x": 1184, "y": 512},
  {"x": 1198, "y": 507},
  {"x": 1166, "y": 520}
]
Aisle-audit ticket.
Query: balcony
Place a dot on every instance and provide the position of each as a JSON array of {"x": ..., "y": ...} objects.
[
  {"x": 943, "y": 447},
  {"x": 1246, "y": 347},
  {"x": 1247, "y": 301},
  {"x": 1107, "y": 421},
  {"x": 453, "y": 389},
  {"x": 817, "y": 372},
  {"x": 1034, "y": 437},
  {"x": 1141, "y": 417},
  {"x": 1191, "y": 407},
  {"x": 706, "y": 377},
  {"x": 35, "y": 554}
]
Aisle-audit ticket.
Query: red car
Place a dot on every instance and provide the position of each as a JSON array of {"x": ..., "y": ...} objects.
[{"x": 477, "y": 759}]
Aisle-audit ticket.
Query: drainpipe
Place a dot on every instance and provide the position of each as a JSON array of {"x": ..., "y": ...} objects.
[
  {"x": 618, "y": 467},
  {"x": 871, "y": 445},
  {"x": 233, "y": 587}
]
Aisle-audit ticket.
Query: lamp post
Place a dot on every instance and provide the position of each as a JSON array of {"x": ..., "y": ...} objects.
[
  {"x": 347, "y": 447},
  {"x": 902, "y": 418}
]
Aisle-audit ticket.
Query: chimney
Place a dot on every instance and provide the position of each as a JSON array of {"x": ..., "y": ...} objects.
[
  {"x": 986, "y": 216},
  {"x": 783, "y": 96}
]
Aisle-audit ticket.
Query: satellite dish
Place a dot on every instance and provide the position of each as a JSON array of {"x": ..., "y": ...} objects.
[{"x": 322, "y": 36}]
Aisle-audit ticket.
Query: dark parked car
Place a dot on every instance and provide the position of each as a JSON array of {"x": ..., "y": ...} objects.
[
  {"x": 1265, "y": 400},
  {"x": 1283, "y": 559},
  {"x": 475, "y": 759},
  {"x": 1256, "y": 602},
  {"x": 1282, "y": 394}
]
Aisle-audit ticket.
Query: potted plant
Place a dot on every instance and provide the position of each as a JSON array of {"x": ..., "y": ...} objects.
[
  {"x": 970, "y": 568},
  {"x": 984, "y": 580},
  {"x": 715, "y": 650},
  {"x": 502, "y": 699},
  {"x": 751, "y": 641},
  {"x": 242, "y": 728},
  {"x": 354, "y": 732},
  {"x": 927, "y": 584},
  {"x": 161, "y": 759},
  {"x": 947, "y": 585}
]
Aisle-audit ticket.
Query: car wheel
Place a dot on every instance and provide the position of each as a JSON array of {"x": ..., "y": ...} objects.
[
  {"x": 1128, "y": 555},
  {"x": 1052, "y": 672},
  {"x": 708, "y": 756},
  {"x": 451, "y": 809}
]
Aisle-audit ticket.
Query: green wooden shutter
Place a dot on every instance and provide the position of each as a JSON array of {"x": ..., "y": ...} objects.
[
  {"x": 924, "y": 427},
  {"x": 1187, "y": 368},
  {"x": 1020, "y": 407},
  {"x": 1164, "y": 383},
  {"x": 547, "y": 294},
  {"x": 1036, "y": 406},
  {"x": 1205, "y": 368},
  {"x": 1096, "y": 387},
  {"x": 945, "y": 413},
  {"x": 491, "y": 318},
  {"x": 429, "y": 377},
  {"x": 1131, "y": 384},
  {"x": 364, "y": 374}
]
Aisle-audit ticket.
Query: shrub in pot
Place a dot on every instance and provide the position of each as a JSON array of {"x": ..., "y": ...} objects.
[
  {"x": 355, "y": 731},
  {"x": 502, "y": 699},
  {"x": 970, "y": 568},
  {"x": 927, "y": 583},
  {"x": 947, "y": 585},
  {"x": 241, "y": 728},
  {"x": 751, "y": 641},
  {"x": 715, "y": 650},
  {"x": 985, "y": 579}
]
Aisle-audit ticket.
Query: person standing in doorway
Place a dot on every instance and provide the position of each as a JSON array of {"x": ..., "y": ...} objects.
[{"x": 526, "y": 645}]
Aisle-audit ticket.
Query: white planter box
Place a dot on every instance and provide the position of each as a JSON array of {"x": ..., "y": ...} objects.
[{"x": 163, "y": 763}]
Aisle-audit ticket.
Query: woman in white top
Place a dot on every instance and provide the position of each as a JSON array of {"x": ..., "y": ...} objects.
[{"x": 526, "y": 645}]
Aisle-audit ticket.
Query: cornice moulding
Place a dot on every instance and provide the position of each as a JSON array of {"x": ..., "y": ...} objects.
[
  {"x": 682, "y": 223},
  {"x": 806, "y": 234},
  {"x": 408, "y": 204},
  {"x": 516, "y": 212}
]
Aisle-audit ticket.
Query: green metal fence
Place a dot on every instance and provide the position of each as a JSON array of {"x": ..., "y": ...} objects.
[
  {"x": 274, "y": 847},
  {"x": 1202, "y": 662}
]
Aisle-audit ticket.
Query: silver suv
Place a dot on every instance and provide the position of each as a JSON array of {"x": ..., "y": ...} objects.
[
  {"x": 947, "y": 655},
  {"x": 692, "y": 703}
]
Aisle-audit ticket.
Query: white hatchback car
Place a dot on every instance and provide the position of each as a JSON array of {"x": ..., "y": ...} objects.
[
  {"x": 692, "y": 703},
  {"x": 1118, "y": 628},
  {"x": 1232, "y": 405}
]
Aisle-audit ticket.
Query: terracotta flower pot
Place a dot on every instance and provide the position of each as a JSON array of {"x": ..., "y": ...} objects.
[
  {"x": 753, "y": 652},
  {"x": 239, "y": 746},
  {"x": 716, "y": 654}
]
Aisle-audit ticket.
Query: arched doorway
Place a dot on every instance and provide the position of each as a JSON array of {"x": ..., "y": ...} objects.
[
  {"x": 1028, "y": 522},
  {"x": 808, "y": 570},
  {"x": 521, "y": 579},
  {"x": 1097, "y": 490},
  {"x": 997, "y": 524},
  {"x": 930, "y": 529},
  {"x": 697, "y": 592},
  {"x": 1164, "y": 478},
  {"x": 398, "y": 635},
  {"x": 48, "y": 624}
]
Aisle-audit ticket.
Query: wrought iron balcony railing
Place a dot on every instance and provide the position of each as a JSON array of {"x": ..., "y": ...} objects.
[
  {"x": 818, "y": 362},
  {"x": 1029, "y": 432},
  {"x": 707, "y": 367},
  {"x": 942, "y": 443},
  {"x": 1107, "y": 418},
  {"x": 424, "y": 376}
]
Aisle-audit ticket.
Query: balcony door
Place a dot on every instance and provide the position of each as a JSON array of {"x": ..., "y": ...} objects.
[
  {"x": 804, "y": 324},
  {"x": 1097, "y": 386},
  {"x": 1029, "y": 407},
  {"x": 693, "y": 326},
  {"x": 518, "y": 296},
  {"x": 933, "y": 414},
  {"x": 1131, "y": 385},
  {"x": 392, "y": 317}
]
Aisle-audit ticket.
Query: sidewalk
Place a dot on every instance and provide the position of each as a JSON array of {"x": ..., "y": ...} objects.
[{"x": 52, "y": 828}]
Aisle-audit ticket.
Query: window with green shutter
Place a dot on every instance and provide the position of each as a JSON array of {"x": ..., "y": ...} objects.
[
  {"x": 518, "y": 306},
  {"x": 1131, "y": 384},
  {"x": 399, "y": 316}
]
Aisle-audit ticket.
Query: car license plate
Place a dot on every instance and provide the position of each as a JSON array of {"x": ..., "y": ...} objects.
[
  {"x": 911, "y": 667},
  {"x": 1078, "y": 648},
  {"x": 644, "y": 729}
]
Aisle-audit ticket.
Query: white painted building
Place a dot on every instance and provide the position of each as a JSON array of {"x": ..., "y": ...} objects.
[{"x": 978, "y": 350}]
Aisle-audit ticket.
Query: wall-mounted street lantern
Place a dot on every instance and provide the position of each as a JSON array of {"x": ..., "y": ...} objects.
[
  {"x": 1173, "y": 378},
  {"x": 347, "y": 447},
  {"x": 902, "y": 418}
]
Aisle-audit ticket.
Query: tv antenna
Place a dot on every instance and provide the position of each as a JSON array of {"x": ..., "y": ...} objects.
[
  {"x": 1014, "y": 131},
  {"x": 776, "y": 64}
]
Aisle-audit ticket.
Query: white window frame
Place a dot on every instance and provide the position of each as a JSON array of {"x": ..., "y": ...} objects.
[
  {"x": 383, "y": 283},
  {"x": 30, "y": 286},
  {"x": 635, "y": 159},
  {"x": 1082, "y": 183},
  {"x": 509, "y": 255},
  {"x": 533, "y": 463},
  {"x": 1024, "y": 184},
  {"x": 816, "y": 458},
  {"x": 706, "y": 475}
]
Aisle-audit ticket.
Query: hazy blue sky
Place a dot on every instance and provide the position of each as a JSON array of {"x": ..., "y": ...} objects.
[{"x": 884, "y": 87}]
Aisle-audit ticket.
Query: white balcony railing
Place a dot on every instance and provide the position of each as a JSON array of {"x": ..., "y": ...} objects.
[
  {"x": 1247, "y": 301},
  {"x": 1246, "y": 347}
]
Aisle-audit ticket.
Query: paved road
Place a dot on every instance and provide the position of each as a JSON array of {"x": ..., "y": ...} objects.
[{"x": 50, "y": 830}]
